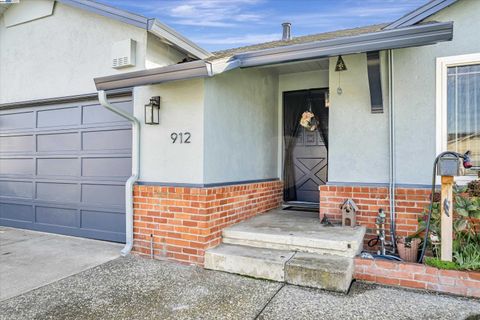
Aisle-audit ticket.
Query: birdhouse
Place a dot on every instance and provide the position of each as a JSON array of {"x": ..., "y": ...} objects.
[{"x": 349, "y": 213}]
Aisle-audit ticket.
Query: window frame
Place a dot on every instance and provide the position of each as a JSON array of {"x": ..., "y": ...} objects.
[{"x": 443, "y": 63}]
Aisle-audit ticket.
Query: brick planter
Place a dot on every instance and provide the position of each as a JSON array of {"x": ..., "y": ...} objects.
[
  {"x": 185, "y": 222},
  {"x": 409, "y": 204},
  {"x": 418, "y": 276}
]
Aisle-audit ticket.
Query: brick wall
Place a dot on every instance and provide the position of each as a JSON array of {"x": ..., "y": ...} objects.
[
  {"x": 418, "y": 276},
  {"x": 409, "y": 204},
  {"x": 184, "y": 222}
]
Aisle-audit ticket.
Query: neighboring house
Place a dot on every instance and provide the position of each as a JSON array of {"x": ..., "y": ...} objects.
[{"x": 228, "y": 145}]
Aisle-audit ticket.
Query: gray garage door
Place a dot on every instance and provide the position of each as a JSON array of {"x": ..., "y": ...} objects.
[{"x": 63, "y": 168}]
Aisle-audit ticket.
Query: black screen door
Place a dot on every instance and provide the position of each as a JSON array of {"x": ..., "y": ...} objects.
[{"x": 306, "y": 152}]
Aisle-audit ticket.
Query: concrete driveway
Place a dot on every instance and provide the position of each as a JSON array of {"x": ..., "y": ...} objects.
[
  {"x": 30, "y": 259},
  {"x": 139, "y": 288}
]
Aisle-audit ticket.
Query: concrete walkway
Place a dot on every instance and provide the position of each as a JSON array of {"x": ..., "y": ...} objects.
[
  {"x": 137, "y": 288},
  {"x": 30, "y": 259}
]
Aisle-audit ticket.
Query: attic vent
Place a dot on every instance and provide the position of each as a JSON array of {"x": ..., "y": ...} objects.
[{"x": 123, "y": 54}]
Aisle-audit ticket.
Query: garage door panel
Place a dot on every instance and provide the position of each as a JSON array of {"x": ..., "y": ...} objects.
[
  {"x": 57, "y": 216},
  {"x": 103, "y": 194},
  {"x": 107, "y": 140},
  {"x": 16, "y": 189},
  {"x": 58, "y": 117},
  {"x": 17, "y": 166},
  {"x": 64, "y": 167},
  {"x": 16, "y": 212},
  {"x": 21, "y": 143},
  {"x": 60, "y": 192},
  {"x": 18, "y": 120},
  {"x": 96, "y": 114},
  {"x": 101, "y": 220},
  {"x": 58, "y": 142},
  {"x": 107, "y": 167}
]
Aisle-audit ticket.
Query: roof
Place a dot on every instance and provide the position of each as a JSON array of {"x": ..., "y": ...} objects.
[
  {"x": 417, "y": 35},
  {"x": 421, "y": 13},
  {"x": 153, "y": 26},
  {"x": 298, "y": 40}
]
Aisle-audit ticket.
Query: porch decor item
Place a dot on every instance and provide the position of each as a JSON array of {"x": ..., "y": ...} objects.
[
  {"x": 309, "y": 121},
  {"x": 408, "y": 248},
  {"x": 349, "y": 213}
]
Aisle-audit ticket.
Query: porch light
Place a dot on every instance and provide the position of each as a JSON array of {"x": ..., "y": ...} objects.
[{"x": 152, "y": 111}]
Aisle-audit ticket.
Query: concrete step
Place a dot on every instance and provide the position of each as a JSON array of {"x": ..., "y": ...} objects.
[
  {"x": 248, "y": 261},
  {"x": 305, "y": 269},
  {"x": 326, "y": 272},
  {"x": 291, "y": 231}
]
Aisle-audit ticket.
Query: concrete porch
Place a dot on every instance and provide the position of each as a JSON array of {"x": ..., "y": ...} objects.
[{"x": 289, "y": 246}]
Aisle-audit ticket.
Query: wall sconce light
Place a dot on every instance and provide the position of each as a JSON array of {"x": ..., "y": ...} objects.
[{"x": 152, "y": 111}]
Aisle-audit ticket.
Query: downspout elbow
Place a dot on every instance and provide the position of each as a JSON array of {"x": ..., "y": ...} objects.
[{"x": 102, "y": 97}]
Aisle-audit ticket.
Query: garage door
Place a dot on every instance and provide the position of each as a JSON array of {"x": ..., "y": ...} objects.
[{"x": 63, "y": 169}]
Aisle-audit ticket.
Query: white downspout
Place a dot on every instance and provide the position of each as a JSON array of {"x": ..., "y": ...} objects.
[
  {"x": 102, "y": 97},
  {"x": 392, "y": 162}
]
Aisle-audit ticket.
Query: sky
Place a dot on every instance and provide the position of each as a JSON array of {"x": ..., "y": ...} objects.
[{"x": 223, "y": 24}]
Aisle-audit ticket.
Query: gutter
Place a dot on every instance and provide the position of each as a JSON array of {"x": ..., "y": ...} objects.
[
  {"x": 417, "y": 35},
  {"x": 102, "y": 97},
  {"x": 181, "y": 71}
]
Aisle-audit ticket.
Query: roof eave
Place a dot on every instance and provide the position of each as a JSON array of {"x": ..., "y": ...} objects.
[
  {"x": 165, "y": 32},
  {"x": 382, "y": 40},
  {"x": 182, "y": 71},
  {"x": 420, "y": 14}
]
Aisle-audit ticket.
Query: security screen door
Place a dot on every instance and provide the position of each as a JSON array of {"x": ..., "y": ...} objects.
[{"x": 305, "y": 152}]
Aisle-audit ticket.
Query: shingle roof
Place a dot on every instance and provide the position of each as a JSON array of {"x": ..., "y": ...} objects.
[{"x": 298, "y": 40}]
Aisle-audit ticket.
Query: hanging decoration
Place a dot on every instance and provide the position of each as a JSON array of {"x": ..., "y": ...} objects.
[
  {"x": 339, "y": 67},
  {"x": 308, "y": 120}
]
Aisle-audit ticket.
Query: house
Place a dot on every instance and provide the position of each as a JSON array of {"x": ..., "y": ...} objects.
[{"x": 227, "y": 145}]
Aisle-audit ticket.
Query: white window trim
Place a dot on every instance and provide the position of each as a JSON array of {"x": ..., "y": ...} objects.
[{"x": 441, "y": 100}]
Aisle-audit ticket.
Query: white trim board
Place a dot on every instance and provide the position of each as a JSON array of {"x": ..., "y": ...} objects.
[{"x": 441, "y": 99}]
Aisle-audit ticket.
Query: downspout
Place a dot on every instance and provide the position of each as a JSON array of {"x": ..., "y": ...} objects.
[
  {"x": 102, "y": 97},
  {"x": 391, "y": 151}
]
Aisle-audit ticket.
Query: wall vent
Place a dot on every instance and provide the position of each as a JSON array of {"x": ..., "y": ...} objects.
[{"x": 123, "y": 54}]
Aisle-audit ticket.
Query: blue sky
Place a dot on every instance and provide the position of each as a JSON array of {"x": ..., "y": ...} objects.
[{"x": 222, "y": 24}]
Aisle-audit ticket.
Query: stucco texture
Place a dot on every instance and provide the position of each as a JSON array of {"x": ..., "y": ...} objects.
[
  {"x": 241, "y": 136},
  {"x": 359, "y": 139}
]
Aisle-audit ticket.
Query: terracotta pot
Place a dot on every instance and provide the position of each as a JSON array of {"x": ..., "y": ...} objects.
[{"x": 408, "y": 251}]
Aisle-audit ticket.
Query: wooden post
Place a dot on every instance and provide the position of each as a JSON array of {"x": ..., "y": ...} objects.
[{"x": 447, "y": 221}]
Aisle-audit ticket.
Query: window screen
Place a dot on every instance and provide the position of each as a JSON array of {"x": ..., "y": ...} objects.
[{"x": 463, "y": 111}]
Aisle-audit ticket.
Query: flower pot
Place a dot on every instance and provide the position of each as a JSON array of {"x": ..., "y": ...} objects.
[{"x": 408, "y": 249}]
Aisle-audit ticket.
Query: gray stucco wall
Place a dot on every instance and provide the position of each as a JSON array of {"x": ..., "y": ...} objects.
[
  {"x": 359, "y": 140},
  {"x": 240, "y": 126},
  {"x": 358, "y": 147},
  {"x": 415, "y": 91}
]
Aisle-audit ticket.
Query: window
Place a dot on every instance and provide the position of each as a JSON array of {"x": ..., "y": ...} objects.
[
  {"x": 463, "y": 110},
  {"x": 458, "y": 106}
]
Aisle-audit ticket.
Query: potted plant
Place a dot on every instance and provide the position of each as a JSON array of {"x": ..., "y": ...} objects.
[{"x": 408, "y": 248}]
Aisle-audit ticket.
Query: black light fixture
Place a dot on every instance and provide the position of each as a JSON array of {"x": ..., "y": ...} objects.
[{"x": 152, "y": 111}]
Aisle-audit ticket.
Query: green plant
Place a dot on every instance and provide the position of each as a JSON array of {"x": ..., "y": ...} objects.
[
  {"x": 437, "y": 263},
  {"x": 466, "y": 239},
  {"x": 468, "y": 257}
]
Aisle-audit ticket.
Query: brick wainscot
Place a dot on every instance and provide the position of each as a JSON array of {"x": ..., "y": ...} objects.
[
  {"x": 409, "y": 204},
  {"x": 183, "y": 222}
]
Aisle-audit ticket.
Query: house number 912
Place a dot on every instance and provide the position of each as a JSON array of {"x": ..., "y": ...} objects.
[{"x": 181, "y": 137}]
